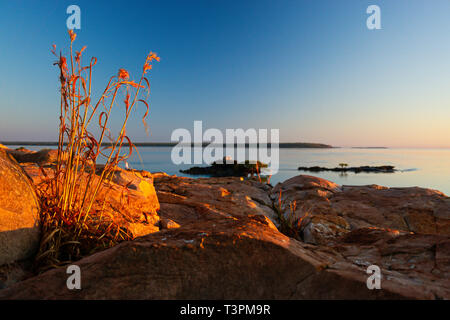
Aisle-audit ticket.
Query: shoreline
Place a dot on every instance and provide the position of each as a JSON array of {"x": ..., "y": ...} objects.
[{"x": 283, "y": 145}]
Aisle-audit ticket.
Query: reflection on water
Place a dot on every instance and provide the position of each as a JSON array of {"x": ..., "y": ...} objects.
[
  {"x": 429, "y": 168},
  {"x": 343, "y": 174}
]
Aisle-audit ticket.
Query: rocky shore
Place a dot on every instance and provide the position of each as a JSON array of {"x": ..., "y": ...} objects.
[{"x": 224, "y": 238}]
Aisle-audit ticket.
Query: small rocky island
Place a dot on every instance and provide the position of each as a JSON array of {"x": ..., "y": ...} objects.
[
  {"x": 223, "y": 169},
  {"x": 343, "y": 168}
]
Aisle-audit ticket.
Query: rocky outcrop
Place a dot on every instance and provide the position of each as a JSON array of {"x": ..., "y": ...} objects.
[
  {"x": 44, "y": 156},
  {"x": 19, "y": 217},
  {"x": 224, "y": 245},
  {"x": 129, "y": 199},
  {"x": 220, "y": 258},
  {"x": 182, "y": 199},
  {"x": 322, "y": 210}
]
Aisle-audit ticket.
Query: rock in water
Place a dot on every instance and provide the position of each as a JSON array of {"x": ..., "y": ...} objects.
[
  {"x": 19, "y": 212},
  {"x": 224, "y": 169}
]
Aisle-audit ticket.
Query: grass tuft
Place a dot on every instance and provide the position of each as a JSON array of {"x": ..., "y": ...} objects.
[{"x": 74, "y": 222}]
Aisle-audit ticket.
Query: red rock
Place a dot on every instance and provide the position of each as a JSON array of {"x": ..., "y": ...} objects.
[
  {"x": 19, "y": 212},
  {"x": 19, "y": 221},
  {"x": 413, "y": 209},
  {"x": 224, "y": 258},
  {"x": 412, "y": 264},
  {"x": 131, "y": 202},
  {"x": 230, "y": 196},
  {"x": 44, "y": 156},
  {"x": 227, "y": 247}
]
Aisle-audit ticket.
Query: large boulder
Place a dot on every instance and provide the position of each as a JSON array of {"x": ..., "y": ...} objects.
[{"x": 19, "y": 212}]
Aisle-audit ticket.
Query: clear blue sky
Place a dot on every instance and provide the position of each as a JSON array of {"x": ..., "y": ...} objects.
[{"x": 310, "y": 68}]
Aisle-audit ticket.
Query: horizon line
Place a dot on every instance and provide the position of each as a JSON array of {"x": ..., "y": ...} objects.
[
  {"x": 171, "y": 144},
  {"x": 304, "y": 145}
]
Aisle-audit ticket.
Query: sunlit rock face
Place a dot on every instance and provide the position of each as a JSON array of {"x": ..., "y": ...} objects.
[
  {"x": 219, "y": 240},
  {"x": 216, "y": 258},
  {"x": 44, "y": 156},
  {"x": 230, "y": 196},
  {"x": 19, "y": 212},
  {"x": 129, "y": 198},
  {"x": 327, "y": 210}
]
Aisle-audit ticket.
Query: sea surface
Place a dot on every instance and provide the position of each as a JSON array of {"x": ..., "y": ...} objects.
[{"x": 428, "y": 168}]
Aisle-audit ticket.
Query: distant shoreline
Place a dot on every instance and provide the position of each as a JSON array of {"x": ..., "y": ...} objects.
[{"x": 172, "y": 144}]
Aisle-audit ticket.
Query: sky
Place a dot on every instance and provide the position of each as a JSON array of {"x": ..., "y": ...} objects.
[{"x": 311, "y": 69}]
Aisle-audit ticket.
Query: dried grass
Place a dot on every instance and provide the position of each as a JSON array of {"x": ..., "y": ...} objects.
[{"x": 71, "y": 227}]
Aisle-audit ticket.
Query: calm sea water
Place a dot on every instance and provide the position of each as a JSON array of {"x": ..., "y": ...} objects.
[{"x": 429, "y": 168}]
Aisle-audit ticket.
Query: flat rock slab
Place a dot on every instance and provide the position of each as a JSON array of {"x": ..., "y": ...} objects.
[{"x": 224, "y": 258}]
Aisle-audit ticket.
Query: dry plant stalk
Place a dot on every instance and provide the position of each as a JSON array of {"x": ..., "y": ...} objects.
[
  {"x": 69, "y": 226},
  {"x": 290, "y": 225}
]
